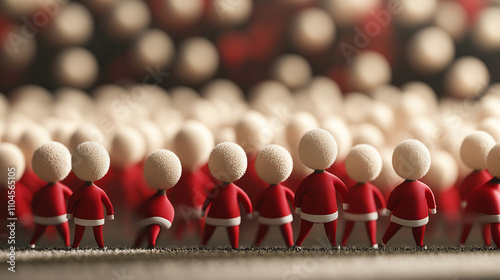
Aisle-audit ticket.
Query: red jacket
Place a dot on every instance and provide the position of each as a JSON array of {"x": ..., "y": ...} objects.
[
  {"x": 190, "y": 192},
  {"x": 338, "y": 169},
  {"x": 251, "y": 183},
  {"x": 410, "y": 203},
  {"x": 366, "y": 199},
  {"x": 86, "y": 205},
  {"x": 31, "y": 181},
  {"x": 272, "y": 205},
  {"x": 224, "y": 208},
  {"x": 485, "y": 200},
  {"x": 316, "y": 198},
  {"x": 474, "y": 179},
  {"x": 49, "y": 204},
  {"x": 157, "y": 210}
]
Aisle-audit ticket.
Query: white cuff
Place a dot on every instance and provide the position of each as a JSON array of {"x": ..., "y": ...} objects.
[
  {"x": 298, "y": 210},
  {"x": 386, "y": 212},
  {"x": 463, "y": 204},
  {"x": 110, "y": 217},
  {"x": 433, "y": 211},
  {"x": 69, "y": 216},
  {"x": 345, "y": 206}
]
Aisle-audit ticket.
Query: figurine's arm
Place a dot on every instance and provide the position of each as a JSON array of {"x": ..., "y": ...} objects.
[
  {"x": 299, "y": 195},
  {"x": 206, "y": 204},
  {"x": 72, "y": 202},
  {"x": 392, "y": 202},
  {"x": 379, "y": 198},
  {"x": 344, "y": 192},
  {"x": 109, "y": 207},
  {"x": 245, "y": 200},
  {"x": 431, "y": 201},
  {"x": 67, "y": 192},
  {"x": 290, "y": 197}
]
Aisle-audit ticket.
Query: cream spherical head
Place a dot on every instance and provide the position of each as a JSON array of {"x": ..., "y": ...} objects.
[
  {"x": 292, "y": 70},
  {"x": 369, "y": 70},
  {"x": 317, "y": 149},
  {"x": 253, "y": 132},
  {"x": 11, "y": 156},
  {"x": 363, "y": 163},
  {"x": 339, "y": 130},
  {"x": 411, "y": 159},
  {"x": 162, "y": 169},
  {"x": 193, "y": 144},
  {"x": 443, "y": 173},
  {"x": 493, "y": 161},
  {"x": 431, "y": 50},
  {"x": 51, "y": 162},
  {"x": 313, "y": 31},
  {"x": 273, "y": 164},
  {"x": 475, "y": 148},
  {"x": 32, "y": 138},
  {"x": 76, "y": 67},
  {"x": 127, "y": 147},
  {"x": 90, "y": 161},
  {"x": 467, "y": 77},
  {"x": 227, "y": 162}
]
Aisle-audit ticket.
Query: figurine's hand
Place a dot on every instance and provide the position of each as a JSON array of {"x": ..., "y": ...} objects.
[
  {"x": 386, "y": 212},
  {"x": 249, "y": 216},
  {"x": 433, "y": 211},
  {"x": 69, "y": 216},
  {"x": 256, "y": 214},
  {"x": 298, "y": 210},
  {"x": 202, "y": 213},
  {"x": 345, "y": 206},
  {"x": 463, "y": 204},
  {"x": 110, "y": 217}
]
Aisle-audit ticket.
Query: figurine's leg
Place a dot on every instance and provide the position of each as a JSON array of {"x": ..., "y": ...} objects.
[
  {"x": 140, "y": 237},
  {"x": 207, "y": 233},
  {"x": 287, "y": 232},
  {"x": 234, "y": 236},
  {"x": 98, "y": 236},
  {"x": 63, "y": 230},
  {"x": 465, "y": 233},
  {"x": 39, "y": 229},
  {"x": 79, "y": 230},
  {"x": 371, "y": 229},
  {"x": 349, "y": 225},
  {"x": 495, "y": 232},
  {"x": 487, "y": 234},
  {"x": 418, "y": 235},
  {"x": 390, "y": 232},
  {"x": 331, "y": 232},
  {"x": 260, "y": 234},
  {"x": 305, "y": 228},
  {"x": 153, "y": 232},
  {"x": 180, "y": 228}
]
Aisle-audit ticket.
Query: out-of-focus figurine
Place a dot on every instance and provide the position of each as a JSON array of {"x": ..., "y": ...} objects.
[
  {"x": 51, "y": 162},
  {"x": 363, "y": 164},
  {"x": 227, "y": 163},
  {"x": 90, "y": 162},
  {"x": 274, "y": 165},
  {"x": 410, "y": 202},
  {"x": 474, "y": 152},
  {"x": 162, "y": 171},
  {"x": 483, "y": 202},
  {"x": 315, "y": 198}
]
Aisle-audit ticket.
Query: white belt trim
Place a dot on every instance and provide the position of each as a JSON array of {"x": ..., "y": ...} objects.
[
  {"x": 55, "y": 220},
  {"x": 463, "y": 204},
  {"x": 231, "y": 222},
  {"x": 319, "y": 219},
  {"x": 275, "y": 221},
  {"x": 373, "y": 216},
  {"x": 162, "y": 222},
  {"x": 409, "y": 223},
  {"x": 89, "y": 223},
  {"x": 481, "y": 218}
]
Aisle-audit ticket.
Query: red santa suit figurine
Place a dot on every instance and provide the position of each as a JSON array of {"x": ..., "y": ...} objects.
[
  {"x": 193, "y": 144},
  {"x": 473, "y": 152},
  {"x": 315, "y": 198},
  {"x": 483, "y": 202},
  {"x": 90, "y": 162},
  {"x": 410, "y": 202},
  {"x": 363, "y": 164},
  {"x": 51, "y": 162},
  {"x": 227, "y": 163},
  {"x": 162, "y": 171},
  {"x": 274, "y": 165}
]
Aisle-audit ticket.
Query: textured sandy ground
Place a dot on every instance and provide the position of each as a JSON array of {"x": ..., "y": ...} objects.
[{"x": 247, "y": 263}]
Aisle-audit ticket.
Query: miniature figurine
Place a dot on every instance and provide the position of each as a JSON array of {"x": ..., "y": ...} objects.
[
  {"x": 51, "y": 162},
  {"x": 90, "y": 162},
  {"x": 410, "y": 202},
  {"x": 162, "y": 171},
  {"x": 274, "y": 165},
  {"x": 227, "y": 163},
  {"x": 483, "y": 202},
  {"x": 193, "y": 144},
  {"x": 363, "y": 164},
  {"x": 473, "y": 152},
  {"x": 315, "y": 198}
]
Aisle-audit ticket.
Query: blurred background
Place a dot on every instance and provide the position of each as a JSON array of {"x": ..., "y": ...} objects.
[{"x": 253, "y": 72}]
